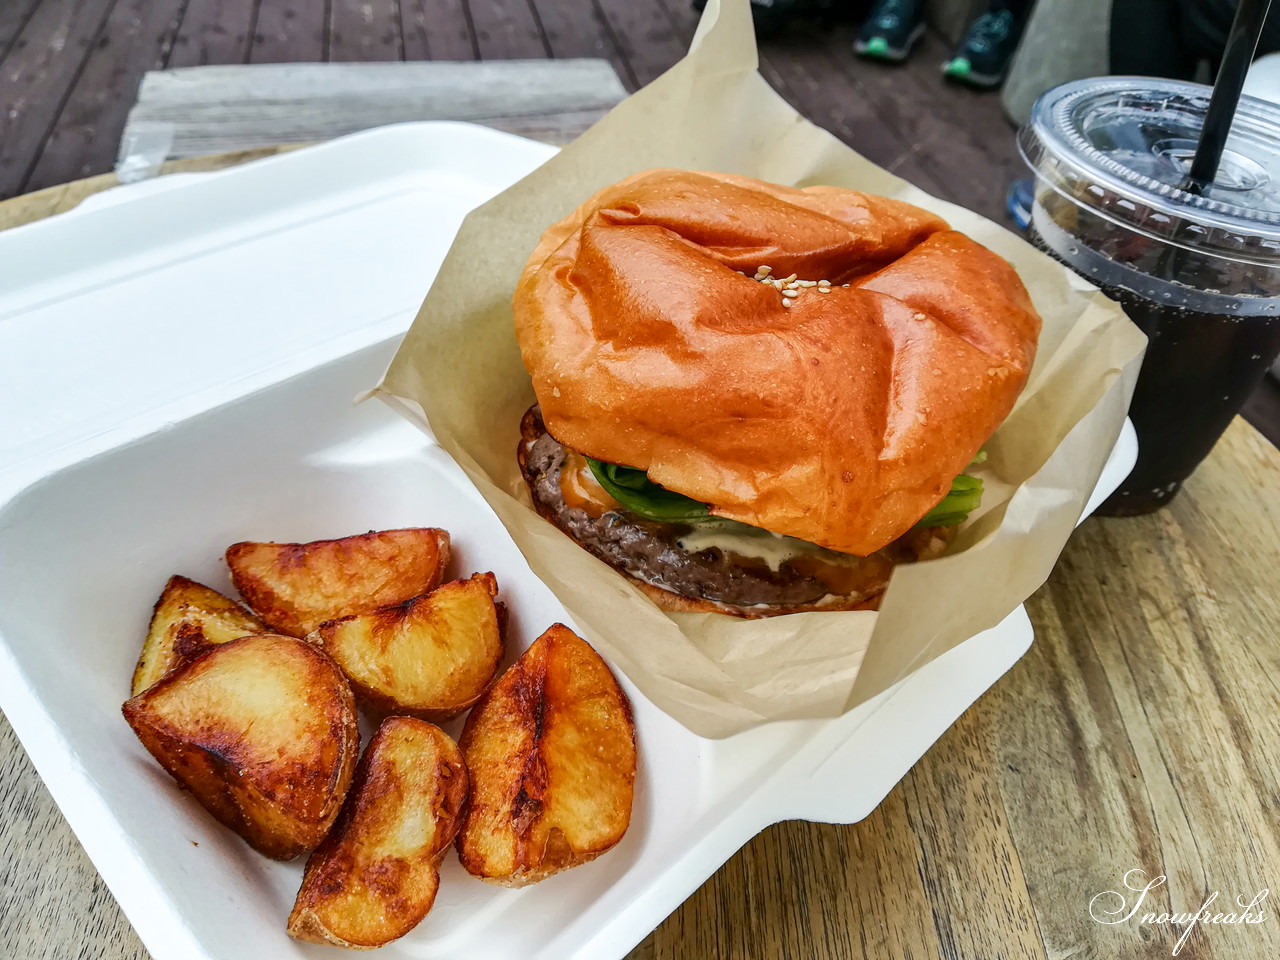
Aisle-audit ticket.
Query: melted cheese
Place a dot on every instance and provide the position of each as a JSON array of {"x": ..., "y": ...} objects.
[
  {"x": 743, "y": 541},
  {"x": 843, "y": 575},
  {"x": 580, "y": 488}
]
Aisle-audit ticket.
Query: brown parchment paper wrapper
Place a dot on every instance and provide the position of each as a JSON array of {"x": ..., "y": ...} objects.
[{"x": 459, "y": 374}]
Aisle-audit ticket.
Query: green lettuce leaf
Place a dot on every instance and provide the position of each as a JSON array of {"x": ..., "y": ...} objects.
[
  {"x": 955, "y": 507},
  {"x": 635, "y": 491}
]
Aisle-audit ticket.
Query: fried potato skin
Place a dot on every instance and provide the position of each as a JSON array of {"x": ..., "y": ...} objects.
[
  {"x": 188, "y": 619},
  {"x": 552, "y": 754},
  {"x": 430, "y": 657},
  {"x": 375, "y": 876},
  {"x": 262, "y": 732},
  {"x": 295, "y": 587}
]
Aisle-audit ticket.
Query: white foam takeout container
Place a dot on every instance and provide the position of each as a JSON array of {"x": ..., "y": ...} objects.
[{"x": 177, "y": 366}]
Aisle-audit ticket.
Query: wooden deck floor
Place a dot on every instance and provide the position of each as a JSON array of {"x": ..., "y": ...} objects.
[{"x": 69, "y": 71}]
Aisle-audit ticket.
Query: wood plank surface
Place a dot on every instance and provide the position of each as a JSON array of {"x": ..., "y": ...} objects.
[
  {"x": 1157, "y": 639},
  {"x": 507, "y": 30},
  {"x": 212, "y": 109},
  {"x": 805, "y": 78},
  {"x": 1141, "y": 731},
  {"x": 42, "y": 65},
  {"x": 438, "y": 30},
  {"x": 13, "y": 17},
  {"x": 141, "y": 32},
  {"x": 290, "y": 31},
  {"x": 940, "y": 146},
  {"x": 866, "y": 104},
  {"x": 646, "y": 35},
  {"x": 213, "y": 31},
  {"x": 362, "y": 31},
  {"x": 580, "y": 31},
  {"x": 810, "y": 65},
  {"x": 986, "y": 133}
]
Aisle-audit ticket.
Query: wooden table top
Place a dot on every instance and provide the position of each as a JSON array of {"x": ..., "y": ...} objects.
[{"x": 1141, "y": 732}]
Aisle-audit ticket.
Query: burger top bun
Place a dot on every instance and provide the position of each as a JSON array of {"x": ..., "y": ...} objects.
[{"x": 840, "y": 419}]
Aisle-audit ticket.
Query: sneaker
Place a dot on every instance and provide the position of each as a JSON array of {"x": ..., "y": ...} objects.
[
  {"x": 890, "y": 31},
  {"x": 983, "y": 56},
  {"x": 1018, "y": 202}
]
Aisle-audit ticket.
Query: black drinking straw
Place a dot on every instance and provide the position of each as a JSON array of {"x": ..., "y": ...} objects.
[{"x": 1242, "y": 44}]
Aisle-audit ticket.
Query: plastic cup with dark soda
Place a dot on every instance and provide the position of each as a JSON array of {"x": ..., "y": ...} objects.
[{"x": 1197, "y": 270}]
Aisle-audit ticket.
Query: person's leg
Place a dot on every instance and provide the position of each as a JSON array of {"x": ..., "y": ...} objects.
[
  {"x": 1205, "y": 24},
  {"x": 1019, "y": 8},
  {"x": 891, "y": 29},
  {"x": 1147, "y": 40},
  {"x": 982, "y": 58}
]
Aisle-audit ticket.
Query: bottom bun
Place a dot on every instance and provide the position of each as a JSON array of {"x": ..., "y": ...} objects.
[
  {"x": 707, "y": 567},
  {"x": 675, "y": 603}
]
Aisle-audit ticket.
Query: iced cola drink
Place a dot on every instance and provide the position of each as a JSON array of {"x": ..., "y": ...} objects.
[{"x": 1197, "y": 269}]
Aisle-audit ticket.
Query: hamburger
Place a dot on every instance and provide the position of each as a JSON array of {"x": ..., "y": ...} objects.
[{"x": 755, "y": 399}]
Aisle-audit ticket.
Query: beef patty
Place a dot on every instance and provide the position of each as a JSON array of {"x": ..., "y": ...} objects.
[{"x": 801, "y": 575}]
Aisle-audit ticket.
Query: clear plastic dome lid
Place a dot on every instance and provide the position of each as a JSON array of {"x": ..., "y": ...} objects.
[{"x": 1121, "y": 148}]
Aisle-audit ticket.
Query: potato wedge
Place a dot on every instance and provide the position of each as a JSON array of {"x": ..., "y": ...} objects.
[
  {"x": 295, "y": 587},
  {"x": 552, "y": 755},
  {"x": 188, "y": 619},
  {"x": 262, "y": 731},
  {"x": 430, "y": 657},
  {"x": 375, "y": 876}
]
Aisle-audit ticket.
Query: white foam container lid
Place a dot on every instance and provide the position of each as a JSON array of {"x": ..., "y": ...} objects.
[{"x": 177, "y": 364}]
